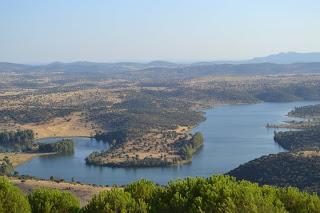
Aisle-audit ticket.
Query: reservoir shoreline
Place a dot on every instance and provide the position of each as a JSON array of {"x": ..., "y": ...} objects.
[{"x": 234, "y": 134}]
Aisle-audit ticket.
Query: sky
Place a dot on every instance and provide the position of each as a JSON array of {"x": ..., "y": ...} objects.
[{"x": 43, "y": 31}]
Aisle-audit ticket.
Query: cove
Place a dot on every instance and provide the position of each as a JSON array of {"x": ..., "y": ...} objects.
[{"x": 234, "y": 134}]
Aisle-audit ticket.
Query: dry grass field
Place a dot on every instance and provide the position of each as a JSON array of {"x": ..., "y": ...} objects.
[
  {"x": 62, "y": 127},
  {"x": 82, "y": 191}
]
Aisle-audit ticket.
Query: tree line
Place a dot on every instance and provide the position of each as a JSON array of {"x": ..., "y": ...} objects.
[
  {"x": 113, "y": 138},
  {"x": 63, "y": 146},
  {"x": 17, "y": 138},
  {"x": 217, "y": 194},
  {"x": 307, "y": 139},
  {"x": 306, "y": 111},
  {"x": 190, "y": 147}
]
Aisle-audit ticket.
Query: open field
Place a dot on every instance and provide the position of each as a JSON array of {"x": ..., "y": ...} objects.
[
  {"x": 82, "y": 191},
  {"x": 69, "y": 126}
]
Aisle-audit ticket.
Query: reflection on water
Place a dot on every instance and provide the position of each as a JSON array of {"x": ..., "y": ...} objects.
[{"x": 233, "y": 135}]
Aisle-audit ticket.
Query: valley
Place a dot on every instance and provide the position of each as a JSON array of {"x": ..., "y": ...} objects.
[{"x": 144, "y": 121}]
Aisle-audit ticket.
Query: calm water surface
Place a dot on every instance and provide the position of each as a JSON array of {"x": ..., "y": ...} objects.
[{"x": 233, "y": 135}]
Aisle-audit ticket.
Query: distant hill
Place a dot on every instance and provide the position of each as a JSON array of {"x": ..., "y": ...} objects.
[
  {"x": 162, "y": 64},
  {"x": 12, "y": 67},
  {"x": 288, "y": 58},
  {"x": 162, "y": 70},
  {"x": 280, "y": 58}
]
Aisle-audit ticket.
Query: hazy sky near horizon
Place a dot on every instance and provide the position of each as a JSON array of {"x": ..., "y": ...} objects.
[{"x": 42, "y": 31}]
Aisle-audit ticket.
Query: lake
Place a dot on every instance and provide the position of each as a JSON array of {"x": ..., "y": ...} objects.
[{"x": 233, "y": 135}]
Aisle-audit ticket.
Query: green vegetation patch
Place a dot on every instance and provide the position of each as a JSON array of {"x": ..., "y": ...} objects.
[
  {"x": 63, "y": 146},
  {"x": 308, "y": 139},
  {"x": 12, "y": 199},
  {"x": 18, "y": 139},
  {"x": 188, "y": 148},
  {"x": 6, "y": 167},
  {"x": 217, "y": 194},
  {"x": 53, "y": 201}
]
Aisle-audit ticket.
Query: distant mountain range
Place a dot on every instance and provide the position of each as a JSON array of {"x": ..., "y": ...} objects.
[
  {"x": 283, "y": 63},
  {"x": 280, "y": 58}
]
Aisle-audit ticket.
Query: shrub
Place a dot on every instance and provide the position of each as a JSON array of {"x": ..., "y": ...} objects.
[
  {"x": 299, "y": 202},
  {"x": 11, "y": 198},
  {"x": 143, "y": 190},
  {"x": 115, "y": 200},
  {"x": 53, "y": 201},
  {"x": 6, "y": 167}
]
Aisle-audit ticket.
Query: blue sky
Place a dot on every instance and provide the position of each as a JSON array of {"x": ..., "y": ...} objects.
[{"x": 42, "y": 31}]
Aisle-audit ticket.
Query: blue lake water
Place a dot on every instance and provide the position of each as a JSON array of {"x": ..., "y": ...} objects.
[{"x": 233, "y": 135}]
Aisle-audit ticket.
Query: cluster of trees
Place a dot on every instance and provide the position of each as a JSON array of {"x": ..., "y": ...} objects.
[
  {"x": 63, "y": 146},
  {"x": 17, "y": 138},
  {"x": 113, "y": 138},
  {"x": 214, "y": 194},
  {"x": 145, "y": 120},
  {"x": 306, "y": 111},
  {"x": 39, "y": 201},
  {"x": 276, "y": 95},
  {"x": 12, "y": 199},
  {"x": 51, "y": 200},
  {"x": 144, "y": 112},
  {"x": 6, "y": 167},
  {"x": 283, "y": 169},
  {"x": 33, "y": 114},
  {"x": 188, "y": 148},
  {"x": 308, "y": 139},
  {"x": 293, "y": 92},
  {"x": 94, "y": 159}
]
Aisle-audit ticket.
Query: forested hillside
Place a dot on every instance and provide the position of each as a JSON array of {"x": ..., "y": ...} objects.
[
  {"x": 299, "y": 169},
  {"x": 308, "y": 139}
]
